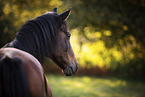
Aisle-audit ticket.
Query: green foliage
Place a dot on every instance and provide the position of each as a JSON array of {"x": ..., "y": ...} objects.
[
  {"x": 123, "y": 17},
  {"x": 94, "y": 87},
  {"x": 125, "y": 61},
  {"x": 5, "y": 26},
  {"x": 108, "y": 34}
]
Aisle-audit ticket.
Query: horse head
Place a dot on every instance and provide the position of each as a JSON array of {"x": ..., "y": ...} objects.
[{"x": 64, "y": 57}]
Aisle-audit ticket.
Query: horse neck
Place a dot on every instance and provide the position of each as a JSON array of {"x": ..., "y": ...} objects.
[
  {"x": 32, "y": 43},
  {"x": 38, "y": 37}
]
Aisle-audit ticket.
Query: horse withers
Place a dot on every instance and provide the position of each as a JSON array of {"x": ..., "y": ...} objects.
[{"x": 21, "y": 74}]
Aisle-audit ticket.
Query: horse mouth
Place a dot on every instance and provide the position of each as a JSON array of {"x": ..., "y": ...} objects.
[{"x": 71, "y": 69}]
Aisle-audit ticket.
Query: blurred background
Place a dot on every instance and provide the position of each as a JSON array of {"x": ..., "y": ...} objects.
[{"x": 108, "y": 38}]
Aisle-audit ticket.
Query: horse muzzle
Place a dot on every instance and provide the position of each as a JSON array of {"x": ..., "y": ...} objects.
[{"x": 71, "y": 69}]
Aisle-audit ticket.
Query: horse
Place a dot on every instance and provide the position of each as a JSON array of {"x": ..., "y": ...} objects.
[{"x": 21, "y": 72}]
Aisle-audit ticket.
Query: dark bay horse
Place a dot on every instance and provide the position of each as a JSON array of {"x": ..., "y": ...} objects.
[{"x": 21, "y": 74}]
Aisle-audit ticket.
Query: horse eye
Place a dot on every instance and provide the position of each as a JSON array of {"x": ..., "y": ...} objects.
[{"x": 68, "y": 35}]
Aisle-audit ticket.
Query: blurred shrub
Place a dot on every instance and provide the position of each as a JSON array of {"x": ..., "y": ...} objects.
[
  {"x": 107, "y": 35},
  {"x": 125, "y": 61}
]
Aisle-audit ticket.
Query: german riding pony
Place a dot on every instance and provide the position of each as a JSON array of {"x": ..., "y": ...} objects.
[{"x": 21, "y": 74}]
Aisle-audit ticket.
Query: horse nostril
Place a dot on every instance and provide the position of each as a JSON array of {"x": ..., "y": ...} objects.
[
  {"x": 77, "y": 66},
  {"x": 71, "y": 68}
]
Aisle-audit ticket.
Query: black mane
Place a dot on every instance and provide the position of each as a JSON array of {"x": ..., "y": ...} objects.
[{"x": 38, "y": 36}]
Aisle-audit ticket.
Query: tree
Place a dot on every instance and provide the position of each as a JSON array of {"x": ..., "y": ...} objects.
[
  {"x": 122, "y": 18},
  {"x": 122, "y": 26}
]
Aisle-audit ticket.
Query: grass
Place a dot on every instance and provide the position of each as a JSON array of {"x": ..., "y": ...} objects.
[{"x": 85, "y": 86}]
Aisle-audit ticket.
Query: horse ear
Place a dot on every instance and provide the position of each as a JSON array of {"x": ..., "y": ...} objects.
[
  {"x": 63, "y": 16},
  {"x": 54, "y": 10}
]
